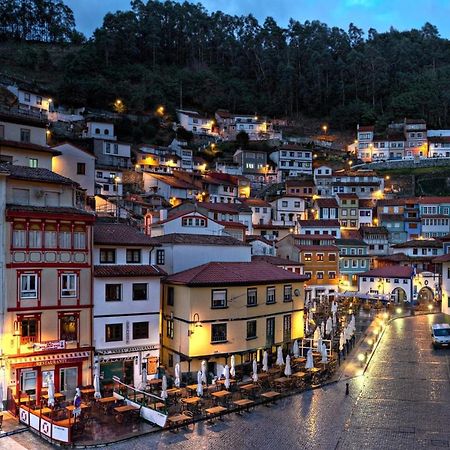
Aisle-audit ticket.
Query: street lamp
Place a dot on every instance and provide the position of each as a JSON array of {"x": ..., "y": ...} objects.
[
  {"x": 196, "y": 322},
  {"x": 117, "y": 180},
  {"x": 325, "y": 128}
]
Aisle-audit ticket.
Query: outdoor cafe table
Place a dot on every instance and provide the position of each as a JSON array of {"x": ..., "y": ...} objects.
[
  {"x": 71, "y": 408},
  {"x": 221, "y": 382},
  {"x": 124, "y": 410},
  {"x": 243, "y": 403},
  {"x": 299, "y": 374},
  {"x": 299, "y": 360},
  {"x": 192, "y": 388},
  {"x": 57, "y": 396},
  {"x": 154, "y": 383},
  {"x": 249, "y": 388},
  {"x": 157, "y": 405},
  {"x": 87, "y": 392},
  {"x": 43, "y": 411},
  {"x": 210, "y": 412},
  {"x": 105, "y": 402},
  {"x": 173, "y": 392},
  {"x": 263, "y": 375},
  {"x": 191, "y": 401},
  {"x": 219, "y": 395},
  {"x": 271, "y": 395},
  {"x": 274, "y": 370},
  {"x": 178, "y": 420}
]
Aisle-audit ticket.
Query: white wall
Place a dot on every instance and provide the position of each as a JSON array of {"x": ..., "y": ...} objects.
[
  {"x": 106, "y": 130},
  {"x": 121, "y": 255},
  {"x": 66, "y": 165},
  {"x": 38, "y": 135}
]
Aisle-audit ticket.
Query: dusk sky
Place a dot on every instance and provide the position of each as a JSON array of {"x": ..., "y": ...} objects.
[{"x": 379, "y": 14}]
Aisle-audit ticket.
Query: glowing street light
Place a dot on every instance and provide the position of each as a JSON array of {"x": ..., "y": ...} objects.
[
  {"x": 160, "y": 110},
  {"x": 325, "y": 128}
]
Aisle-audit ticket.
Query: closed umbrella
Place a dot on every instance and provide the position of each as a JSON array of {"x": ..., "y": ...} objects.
[
  {"x": 233, "y": 368},
  {"x": 1, "y": 396},
  {"x": 227, "y": 376},
  {"x": 204, "y": 368},
  {"x": 177, "y": 375},
  {"x": 144, "y": 379},
  {"x": 307, "y": 330},
  {"x": 334, "y": 307},
  {"x": 295, "y": 349},
  {"x": 280, "y": 360},
  {"x": 309, "y": 360},
  {"x": 324, "y": 354},
  {"x": 319, "y": 344},
  {"x": 255, "y": 371},
  {"x": 51, "y": 391},
  {"x": 316, "y": 336},
  {"x": 199, "y": 384},
  {"x": 341, "y": 341},
  {"x": 164, "y": 394},
  {"x": 329, "y": 326},
  {"x": 322, "y": 329},
  {"x": 287, "y": 369},
  {"x": 97, "y": 393},
  {"x": 353, "y": 323},
  {"x": 265, "y": 364},
  {"x": 334, "y": 320}
]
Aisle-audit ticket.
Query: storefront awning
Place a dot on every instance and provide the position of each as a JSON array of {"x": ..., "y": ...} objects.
[{"x": 55, "y": 358}]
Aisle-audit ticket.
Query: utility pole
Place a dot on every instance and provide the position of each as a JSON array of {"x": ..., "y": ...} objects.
[{"x": 181, "y": 94}]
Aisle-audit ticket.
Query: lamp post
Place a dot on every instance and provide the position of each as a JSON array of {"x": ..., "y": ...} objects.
[
  {"x": 117, "y": 180},
  {"x": 196, "y": 322}
]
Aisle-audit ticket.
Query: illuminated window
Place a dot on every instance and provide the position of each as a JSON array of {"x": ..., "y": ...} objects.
[
  {"x": 251, "y": 329},
  {"x": 113, "y": 292},
  {"x": 68, "y": 327},
  {"x": 218, "y": 332},
  {"x": 68, "y": 285},
  {"x": 113, "y": 332},
  {"x": 140, "y": 330}
]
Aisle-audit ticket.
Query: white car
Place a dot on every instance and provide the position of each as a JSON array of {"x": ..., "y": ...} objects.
[{"x": 440, "y": 335}]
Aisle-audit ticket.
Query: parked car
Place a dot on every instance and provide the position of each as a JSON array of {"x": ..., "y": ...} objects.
[{"x": 440, "y": 335}]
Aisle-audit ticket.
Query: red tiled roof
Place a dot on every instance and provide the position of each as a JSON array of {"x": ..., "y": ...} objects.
[
  {"x": 271, "y": 227},
  {"x": 327, "y": 203},
  {"x": 366, "y": 128},
  {"x": 135, "y": 270},
  {"x": 439, "y": 139},
  {"x": 234, "y": 273},
  {"x": 197, "y": 239},
  {"x": 35, "y": 174},
  {"x": 255, "y": 202},
  {"x": 231, "y": 224},
  {"x": 442, "y": 258},
  {"x": 119, "y": 234},
  {"x": 366, "y": 203},
  {"x": 390, "y": 272},
  {"x": 172, "y": 181},
  {"x": 28, "y": 146},
  {"x": 419, "y": 243},
  {"x": 276, "y": 260},
  {"x": 229, "y": 208},
  {"x": 348, "y": 195}
]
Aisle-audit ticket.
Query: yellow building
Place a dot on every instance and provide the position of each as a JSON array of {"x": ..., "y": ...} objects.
[{"x": 221, "y": 309}]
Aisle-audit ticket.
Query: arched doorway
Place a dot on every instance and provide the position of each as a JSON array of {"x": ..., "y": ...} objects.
[
  {"x": 425, "y": 295},
  {"x": 398, "y": 295}
]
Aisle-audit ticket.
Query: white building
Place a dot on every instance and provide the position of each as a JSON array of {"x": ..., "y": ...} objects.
[
  {"x": 323, "y": 178},
  {"x": 99, "y": 129},
  {"x": 444, "y": 260},
  {"x": 293, "y": 160},
  {"x": 76, "y": 163},
  {"x": 192, "y": 121},
  {"x": 171, "y": 188},
  {"x": 109, "y": 182},
  {"x": 288, "y": 210},
  {"x": 127, "y": 297},
  {"x": 363, "y": 183},
  {"x": 261, "y": 210},
  {"x": 331, "y": 227},
  {"x": 439, "y": 146},
  {"x": 34, "y": 102},
  {"x": 182, "y": 251},
  {"x": 434, "y": 216},
  {"x": 261, "y": 246}
]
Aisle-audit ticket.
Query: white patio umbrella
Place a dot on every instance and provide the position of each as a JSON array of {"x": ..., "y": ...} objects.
[
  {"x": 255, "y": 371},
  {"x": 334, "y": 319},
  {"x": 144, "y": 379},
  {"x": 329, "y": 326},
  {"x": 341, "y": 341},
  {"x": 287, "y": 369},
  {"x": 51, "y": 391},
  {"x": 204, "y": 369},
  {"x": 322, "y": 329},
  {"x": 164, "y": 393},
  {"x": 226, "y": 373},
  {"x": 319, "y": 345},
  {"x": 280, "y": 360},
  {"x": 295, "y": 349},
  {"x": 199, "y": 384},
  {"x": 309, "y": 360},
  {"x": 316, "y": 336},
  {"x": 233, "y": 368},
  {"x": 324, "y": 354},
  {"x": 353, "y": 323},
  {"x": 307, "y": 325},
  {"x": 334, "y": 307},
  {"x": 97, "y": 393},
  {"x": 177, "y": 375},
  {"x": 265, "y": 362},
  {"x": 1, "y": 396}
]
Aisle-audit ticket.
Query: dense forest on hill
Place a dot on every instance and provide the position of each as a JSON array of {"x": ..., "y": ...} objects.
[{"x": 147, "y": 54}]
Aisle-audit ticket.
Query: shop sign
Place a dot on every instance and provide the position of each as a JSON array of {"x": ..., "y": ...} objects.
[{"x": 49, "y": 345}]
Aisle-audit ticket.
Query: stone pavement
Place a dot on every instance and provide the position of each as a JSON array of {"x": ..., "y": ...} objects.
[{"x": 401, "y": 402}]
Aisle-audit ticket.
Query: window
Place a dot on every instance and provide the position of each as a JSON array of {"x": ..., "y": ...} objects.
[
  {"x": 270, "y": 331},
  {"x": 308, "y": 256},
  {"x": 169, "y": 329},
  {"x": 270, "y": 295},
  {"x": 27, "y": 97},
  {"x": 332, "y": 257},
  {"x": 287, "y": 293},
  {"x": 29, "y": 327},
  {"x": 81, "y": 169},
  {"x": 29, "y": 285},
  {"x": 193, "y": 222},
  {"x": 50, "y": 236},
  {"x": 160, "y": 257},
  {"x": 133, "y": 256},
  {"x": 140, "y": 330},
  {"x": 116, "y": 146},
  {"x": 296, "y": 204},
  {"x": 170, "y": 296},
  {"x": 113, "y": 332},
  {"x": 97, "y": 131},
  {"x": 68, "y": 327},
  {"x": 19, "y": 235},
  {"x": 79, "y": 238},
  {"x": 33, "y": 162},
  {"x": 107, "y": 256},
  {"x": 320, "y": 275},
  {"x": 139, "y": 291},
  {"x": 219, "y": 298},
  {"x": 35, "y": 236},
  {"x": 218, "y": 332},
  {"x": 24, "y": 135},
  {"x": 113, "y": 292},
  {"x": 346, "y": 263},
  {"x": 284, "y": 204},
  {"x": 331, "y": 275},
  {"x": 65, "y": 236},
  {"x": 287, "y": 327},
  {"x": 319, "y": 256},
  {"x": 38, "y": 100},
  {"x": 252, "y": 297},
  {"x": 68, "y": 283},
  {"x": 251, "y": 329}
]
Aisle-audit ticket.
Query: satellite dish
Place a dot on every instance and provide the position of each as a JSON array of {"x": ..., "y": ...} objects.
[{"x": 297, "y": 292}]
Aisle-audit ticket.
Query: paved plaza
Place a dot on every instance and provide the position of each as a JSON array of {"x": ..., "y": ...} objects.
[{"x": 402, "y": 402}]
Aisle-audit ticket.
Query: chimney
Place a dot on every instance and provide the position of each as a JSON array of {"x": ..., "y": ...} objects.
[{"x": 162, "y": 214}]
